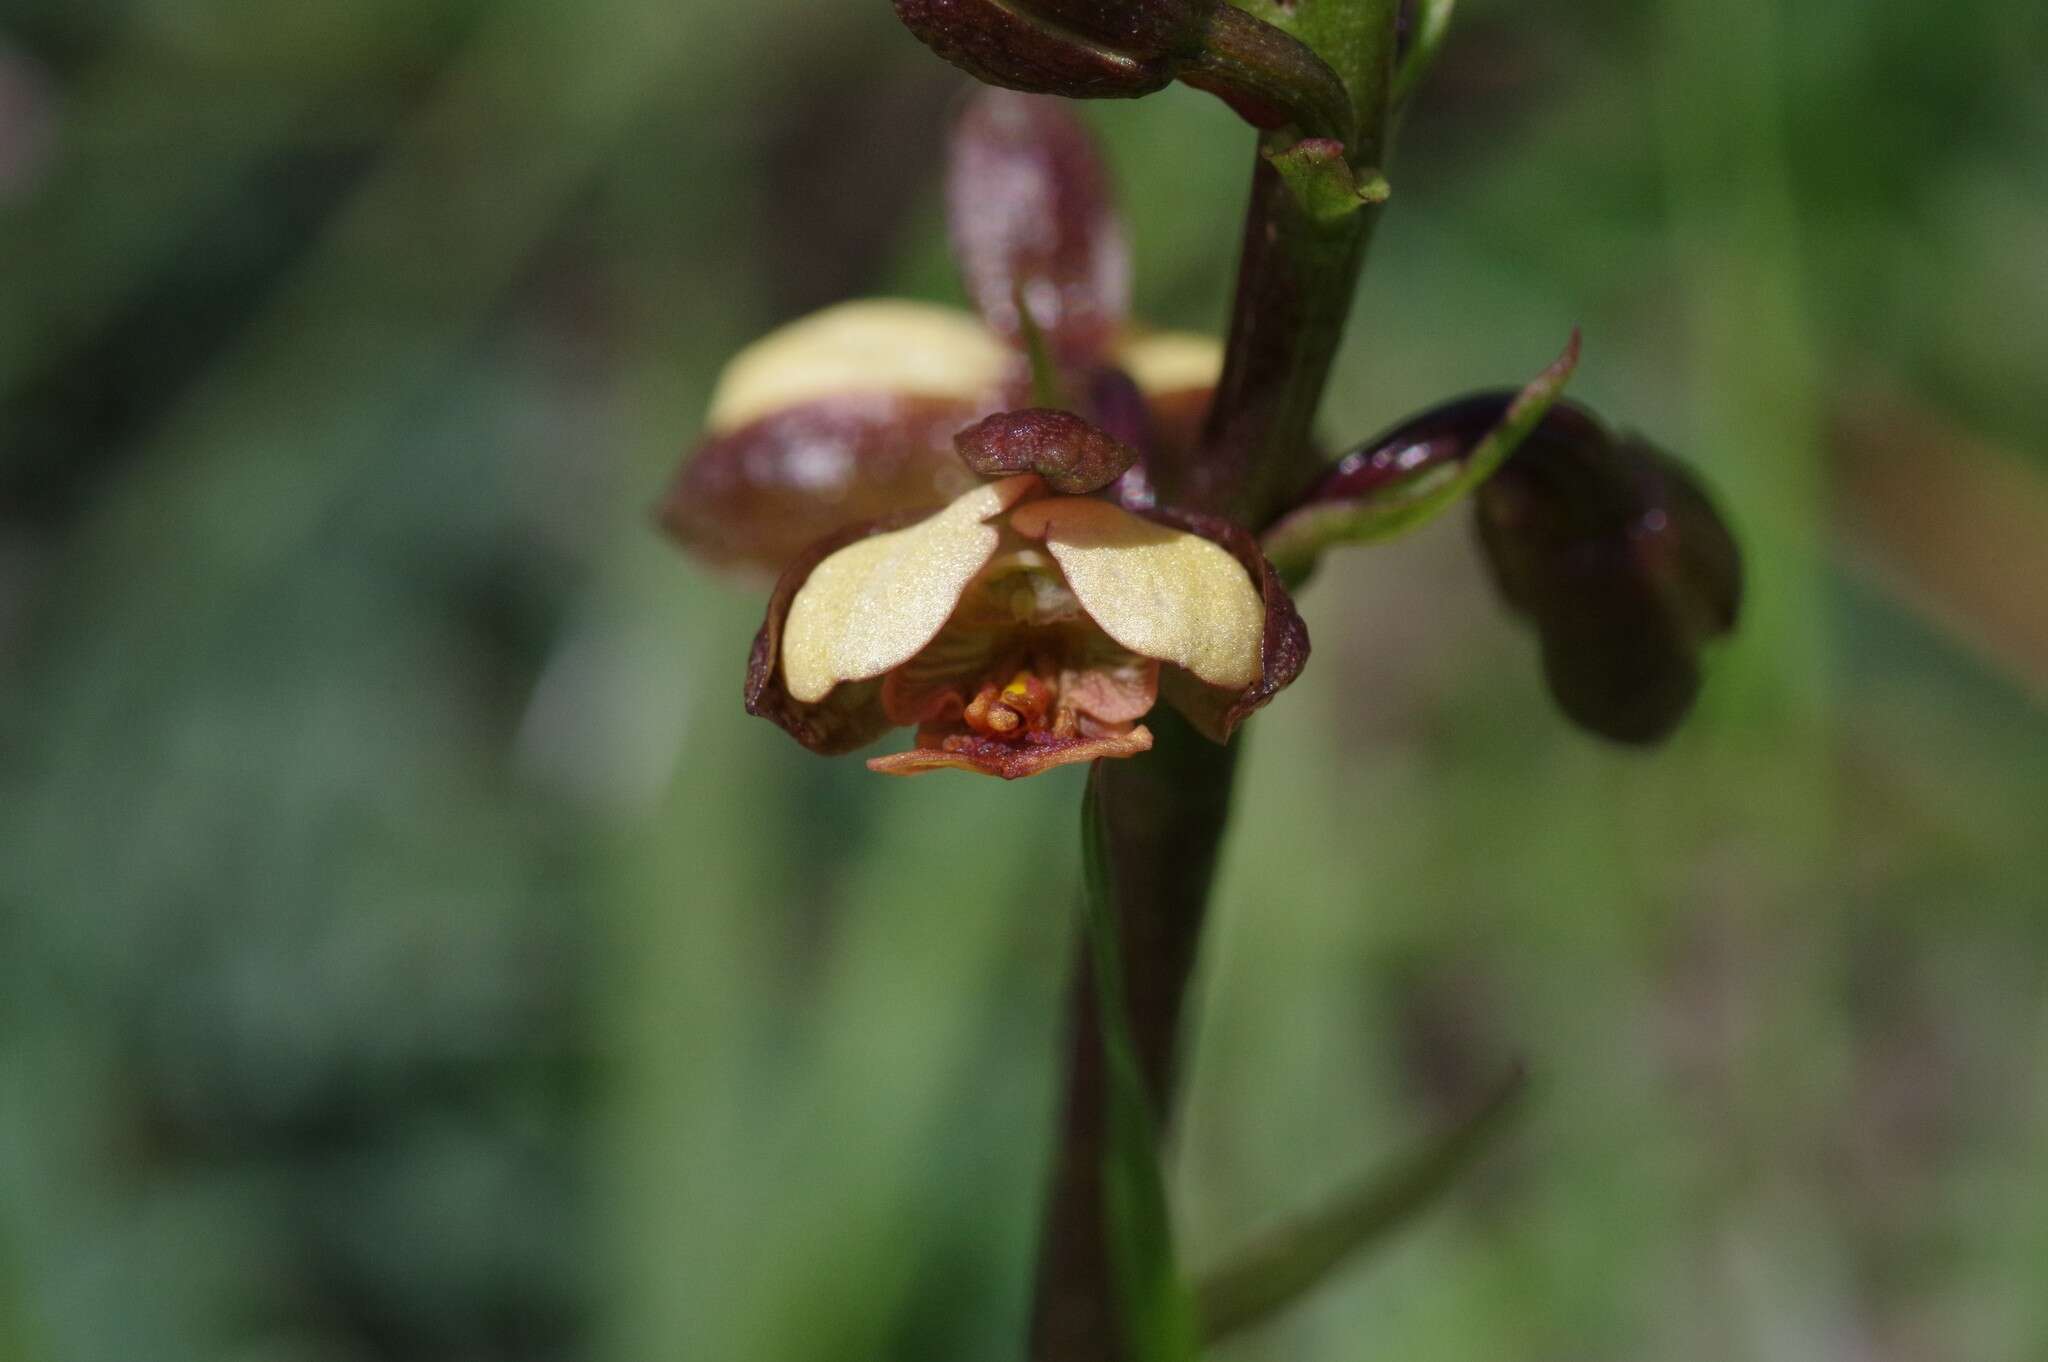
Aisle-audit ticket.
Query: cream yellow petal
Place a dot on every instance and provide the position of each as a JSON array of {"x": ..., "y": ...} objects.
[
  {"x": 874, "y": 604},
  {"x": 874, "y": 345},
  {"x": 1170, "y": 361},
  {"x": 1160, "y": 592}
]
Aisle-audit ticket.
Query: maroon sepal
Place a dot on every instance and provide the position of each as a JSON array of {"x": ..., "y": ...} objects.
[
  {"x": 1029, "y": 210},
  {"x": 759, "y": 495},
  {"x": 851, "y": 716},
  {"x": 1216, "y": 712},
  {"x": 1071, "y": 455}
]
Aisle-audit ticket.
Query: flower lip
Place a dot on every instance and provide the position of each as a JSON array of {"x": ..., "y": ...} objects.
[
  {"x": 1011, "y": 761},
  {"x": 1020, "y": 630}
]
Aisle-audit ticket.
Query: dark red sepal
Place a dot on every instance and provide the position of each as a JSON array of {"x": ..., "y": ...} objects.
[
  {"x": 1029, "y": 210},
  {"x": 758, "y": 495}
]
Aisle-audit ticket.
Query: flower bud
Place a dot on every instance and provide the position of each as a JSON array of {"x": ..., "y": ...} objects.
[
  {"x": 1612, "y": 549},
  {"x": 1607, "y": 545},
  {"x": 1083, "y": 49}
]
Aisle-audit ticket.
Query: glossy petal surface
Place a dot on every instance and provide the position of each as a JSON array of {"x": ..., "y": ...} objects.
[
  {"x": 1161, "y": 592},
  {"x": 871, "y": 346},
  {"x": 876, "y": 603}
]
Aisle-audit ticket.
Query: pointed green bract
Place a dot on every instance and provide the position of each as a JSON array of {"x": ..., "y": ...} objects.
[
  {"x": 1432, "y": 23},
  {"x": 1324, "y": 183},
  {"x": 1046, "y": 388},
  {"x": 1396, "y": 507}
]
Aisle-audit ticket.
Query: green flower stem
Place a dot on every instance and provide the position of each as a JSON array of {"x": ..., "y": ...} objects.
[
  {"x": 1161, "y": 818},
  {"x": 1296, "y": 278},
  {"x": 1156, "y": 827},
  {"x": 1295, "y": 283},
  {"x": 1156, "y": 1310},
  {"x": 1260, "y": 67}
]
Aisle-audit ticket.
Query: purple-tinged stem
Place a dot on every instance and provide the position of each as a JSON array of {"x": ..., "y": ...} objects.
[{"x": 1163, "y": 817}]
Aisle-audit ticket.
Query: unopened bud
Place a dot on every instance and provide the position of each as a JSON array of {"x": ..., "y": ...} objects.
[
  {"x": 1084, "y": 49},
  {"x": 1610, "y": 547}
]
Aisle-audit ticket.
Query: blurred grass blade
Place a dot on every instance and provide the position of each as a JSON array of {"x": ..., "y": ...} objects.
[
  {"x": 1154, "y": 1305},
  {"x": 1297, "y": 1258},
  {"x": 1432, "y": 23}
]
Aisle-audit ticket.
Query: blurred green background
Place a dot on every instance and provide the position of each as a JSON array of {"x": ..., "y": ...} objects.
[{"x": 409, "y": 951}]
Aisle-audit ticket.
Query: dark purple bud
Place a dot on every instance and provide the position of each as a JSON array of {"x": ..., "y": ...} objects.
[
  {"x": 1615, "y": 553},
  {"x": 1074, "y": 457},
  {"x": 1083, "y": 49},
  {"x": 1608, "y": 546},
  {"x": 1029, "y": 209},
  {"x": 1109, "y": 49}
]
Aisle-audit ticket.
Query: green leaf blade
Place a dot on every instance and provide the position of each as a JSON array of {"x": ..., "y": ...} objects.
[
  {"x": 1292, "y": 1261},
  {"x": 1156, "y": 1307}
]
